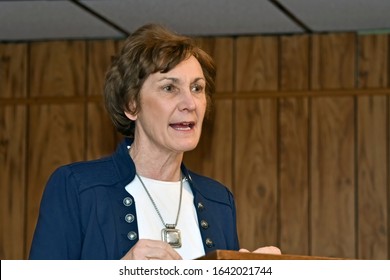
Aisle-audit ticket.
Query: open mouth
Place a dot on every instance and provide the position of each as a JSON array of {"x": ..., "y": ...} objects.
[{"x": 183, "y": 125}]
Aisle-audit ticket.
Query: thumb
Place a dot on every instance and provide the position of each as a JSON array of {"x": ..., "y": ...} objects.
[{"x": 242, "y": 250}]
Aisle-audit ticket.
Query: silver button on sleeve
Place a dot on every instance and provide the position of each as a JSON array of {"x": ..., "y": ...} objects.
[
  {"x": 132, "y": 235},
  {"x": 129, "y": 218},
  {"x": 204, "y": 224},
  {"x": 209, "y": 242},
  {"x": 127, "y": 201}
]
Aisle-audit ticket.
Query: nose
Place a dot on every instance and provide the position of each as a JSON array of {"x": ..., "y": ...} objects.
[{"x": 187, "y": 101}]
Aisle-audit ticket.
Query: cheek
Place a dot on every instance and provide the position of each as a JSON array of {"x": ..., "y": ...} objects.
[
  {"x": 202, "y": 107},
  {"x": 202, "y": 103},
  {"x": 155, "y": 107}
]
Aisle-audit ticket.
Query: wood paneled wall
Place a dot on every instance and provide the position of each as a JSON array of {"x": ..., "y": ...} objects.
[{"x": 299, "y": 132}]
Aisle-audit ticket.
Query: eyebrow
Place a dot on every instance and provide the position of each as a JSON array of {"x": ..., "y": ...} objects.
[{"x": 177, "y": 81}]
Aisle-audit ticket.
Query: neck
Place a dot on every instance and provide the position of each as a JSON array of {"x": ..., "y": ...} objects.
[{"x": 156, "y": 164}]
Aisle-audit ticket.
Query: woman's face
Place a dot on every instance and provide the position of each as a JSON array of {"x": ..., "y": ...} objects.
[{"x": 173, "y": 106}]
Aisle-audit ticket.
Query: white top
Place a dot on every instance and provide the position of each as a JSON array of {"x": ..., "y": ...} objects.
[{"x": 166, "y": 196}]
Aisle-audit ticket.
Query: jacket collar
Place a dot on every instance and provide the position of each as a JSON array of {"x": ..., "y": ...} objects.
[
  {"x": 123, "y": 162},
  {"x": 126, "y": 167},
  {"x": 126, "y": 173}
]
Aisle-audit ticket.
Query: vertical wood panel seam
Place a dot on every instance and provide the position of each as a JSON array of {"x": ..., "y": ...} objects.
[
  {"x": 388, "y": 149},
  {"x": 278, "y": 148},
  {"x": 388, "y": 172},
  {"x": 309, "y": 148},
  {"x": 87, "y": 54},
  {"x": 234, "y": 85},
  {"x": 26, "y": 147},
  {"x": 356, "y": 148}
]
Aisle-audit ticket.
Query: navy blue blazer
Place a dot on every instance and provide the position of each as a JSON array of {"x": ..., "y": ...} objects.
[{"x": 86, "y": 213}]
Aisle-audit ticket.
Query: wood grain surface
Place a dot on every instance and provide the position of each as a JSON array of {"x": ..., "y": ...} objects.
[
  {"x": 98, "y": 123},
  {"x": 372, "y": 150},
  {"x": 13, "y": 70},
  {"x": 221, "y": 50},
  {"x": 293, "y": 147},
  {"x": 13, "y": 155},
  {"x": 256, "y": 64},
  {"x": 12, "y": 181},
  {"x": 57, "y": 68},
  {"x": 255, "y": 152},
  {"x": 332, "y": 159}
]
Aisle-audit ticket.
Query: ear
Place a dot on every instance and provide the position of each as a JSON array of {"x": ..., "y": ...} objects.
[{"x": 129, "y": 114}]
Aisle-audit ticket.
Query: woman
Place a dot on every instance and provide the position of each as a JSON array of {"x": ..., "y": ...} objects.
[{"x": 142, "y": 202}]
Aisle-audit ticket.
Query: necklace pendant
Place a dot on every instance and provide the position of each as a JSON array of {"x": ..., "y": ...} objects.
[{"x": 172, "y": 236}]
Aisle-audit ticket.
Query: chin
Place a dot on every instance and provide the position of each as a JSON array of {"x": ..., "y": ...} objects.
[{"x": 188, "y": 147}]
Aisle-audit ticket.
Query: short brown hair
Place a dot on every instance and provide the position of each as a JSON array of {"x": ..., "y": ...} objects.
[{"x": 151, "y": 48}]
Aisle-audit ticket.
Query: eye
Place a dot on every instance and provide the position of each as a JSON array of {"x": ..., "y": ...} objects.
[
  {"x": 197, "y": 88},
  {"x": 169, "y": 88}
]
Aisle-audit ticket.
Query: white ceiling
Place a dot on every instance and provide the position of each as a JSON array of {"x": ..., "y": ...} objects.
[{"x": 102, "y": 19}]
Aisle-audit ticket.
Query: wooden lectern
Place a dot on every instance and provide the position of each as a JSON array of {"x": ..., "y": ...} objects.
[{"x": 235, "y": 255}]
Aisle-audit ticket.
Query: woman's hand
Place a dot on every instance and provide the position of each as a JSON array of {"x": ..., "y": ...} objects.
[
  {"x": 146, "y": 249},
  {"x": 264, "y": 250}
]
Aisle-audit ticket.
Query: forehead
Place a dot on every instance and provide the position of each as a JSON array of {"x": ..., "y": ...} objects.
[{"x": 187, "y": 69}]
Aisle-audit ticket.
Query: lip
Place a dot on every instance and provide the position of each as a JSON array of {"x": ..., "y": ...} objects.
[{"x": 183, "y": 126}]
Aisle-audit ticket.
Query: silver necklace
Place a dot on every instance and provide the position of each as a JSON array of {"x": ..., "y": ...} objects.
[{"x": 170, "y": 233}]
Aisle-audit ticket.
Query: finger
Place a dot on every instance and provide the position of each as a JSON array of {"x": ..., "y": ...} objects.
[
  {"x": 147, "y": 249},
  {"x": 160, "y": 250},
  {"x": 268, "y": 250},
  {"x": 137, "y": 252},
  {"x": 243, "y": 250}
]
